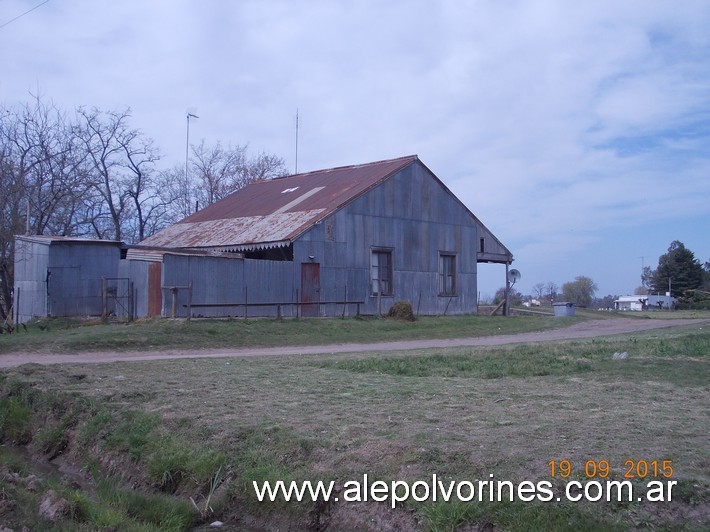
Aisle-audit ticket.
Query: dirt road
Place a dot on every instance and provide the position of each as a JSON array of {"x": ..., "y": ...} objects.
[{"x": 586, "y": 329}]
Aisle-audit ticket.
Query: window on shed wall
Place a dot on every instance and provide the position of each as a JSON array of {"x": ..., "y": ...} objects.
[
  {"x": 381, "y": 272},
  {"x": 447, "y": 274}
]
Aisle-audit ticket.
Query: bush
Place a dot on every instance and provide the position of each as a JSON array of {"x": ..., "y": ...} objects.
[
  {"x": 401, "y": 310},
  {"x": 14, "y": 421}
]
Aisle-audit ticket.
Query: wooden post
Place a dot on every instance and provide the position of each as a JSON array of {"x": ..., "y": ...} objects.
[
  {"x": 506, "y": 307},
  {"x": 104, "y": 302},
  {"x": 173, "y": 312},
  {"x": 17, "y": 307},
  {"x": 447, "y": 305},
  {"x": 131, "y": 301},
  {"x": 189, "y": 300},
  {"x": 345, "y": 300}
]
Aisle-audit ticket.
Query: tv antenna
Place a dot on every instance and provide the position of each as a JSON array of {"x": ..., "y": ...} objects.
[{"x": 296, "y": 139}]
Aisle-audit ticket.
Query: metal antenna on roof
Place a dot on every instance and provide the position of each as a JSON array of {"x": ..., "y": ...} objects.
[
  {"x": 296, "y": 140},
  {"x": 190, "y": 114}
]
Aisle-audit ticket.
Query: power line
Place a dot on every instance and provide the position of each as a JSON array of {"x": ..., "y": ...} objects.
[{"x": 23, "y": 14}]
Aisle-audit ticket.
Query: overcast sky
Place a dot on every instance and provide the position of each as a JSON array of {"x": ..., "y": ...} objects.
[{"x": 577, "y": 131}]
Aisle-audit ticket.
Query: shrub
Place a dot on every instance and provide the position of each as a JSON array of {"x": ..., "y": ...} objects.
[{"x": 401, "y": 310}]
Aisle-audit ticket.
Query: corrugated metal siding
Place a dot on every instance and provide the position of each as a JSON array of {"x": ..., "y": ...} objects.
[
  {"x": 137, "y": 272},
  {"x": 391, "y": 216},
  {"x": 31, "y": 261},
  {"x": 75, "y": 276},
  {"x": 62, "y": 276},
  {"x": 227, "y": 281}
]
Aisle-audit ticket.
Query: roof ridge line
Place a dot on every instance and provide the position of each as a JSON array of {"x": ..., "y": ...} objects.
[{"x": 412, "y": 157}]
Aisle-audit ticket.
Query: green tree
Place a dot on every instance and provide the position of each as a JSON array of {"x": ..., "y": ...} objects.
[
  {"x": 580, "y": 291},
  {"x": 516, "y": 298},
  {"x": 679, "y": 266}
]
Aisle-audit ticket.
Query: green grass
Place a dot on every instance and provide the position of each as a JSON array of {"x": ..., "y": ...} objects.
[
  {"x": 169, "y": 428},
  {"x": 514, "y": 516},
  {"x": 664, "y": 359},
  {"x": 71, "y": 336}
]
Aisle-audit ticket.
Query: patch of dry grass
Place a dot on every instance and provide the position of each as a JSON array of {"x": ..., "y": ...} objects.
[{"x": 461, "y": 413}]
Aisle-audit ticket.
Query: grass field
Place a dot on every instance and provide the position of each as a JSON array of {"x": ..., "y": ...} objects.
[
  {"x": 204, "y": 429},
  {"x": 72, "y": 335}
]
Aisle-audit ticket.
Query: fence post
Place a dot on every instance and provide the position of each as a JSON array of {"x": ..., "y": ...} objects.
[
  {"x": 345, "y": 300},
  {"x": 189, "y": 300},
  {"x": 104, "y": 302},
  {"x": 131, "y": 301},
  {"x": 173, "y": 312},
  {"x": 17, "y": 307}
]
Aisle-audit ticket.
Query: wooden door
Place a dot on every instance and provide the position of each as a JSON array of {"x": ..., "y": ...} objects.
[
  {"x": 310, "y": 289},
  {"x": 155, "y": 292}
]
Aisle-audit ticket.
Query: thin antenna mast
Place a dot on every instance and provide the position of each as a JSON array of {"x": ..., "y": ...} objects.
[
  {"x": 187, "y": 158},
  {"x": 296, "y": 139}
]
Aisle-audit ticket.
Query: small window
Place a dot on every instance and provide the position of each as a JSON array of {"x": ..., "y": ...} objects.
[
  {"x": 447, "y": 274},
  {"x": 381, "y": 272},
  {"x": 483, "y": 245}
]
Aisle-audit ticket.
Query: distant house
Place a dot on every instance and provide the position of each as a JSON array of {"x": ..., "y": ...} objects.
[
  {"x": 319, "y": 243},
  {"x": 649, "y": 302}
]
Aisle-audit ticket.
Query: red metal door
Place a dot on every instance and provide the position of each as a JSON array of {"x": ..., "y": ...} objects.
[
  {"x": 310, "y": 289},
  {"x": 155, "y": 292}
]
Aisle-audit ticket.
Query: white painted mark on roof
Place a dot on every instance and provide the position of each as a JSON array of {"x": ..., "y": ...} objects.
[
  {"x": 298, "y": 200},
  {"x": 289, "y": 190}
]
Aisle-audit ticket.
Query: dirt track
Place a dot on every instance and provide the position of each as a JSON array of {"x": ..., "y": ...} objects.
[{"x": 586, "y": 329}]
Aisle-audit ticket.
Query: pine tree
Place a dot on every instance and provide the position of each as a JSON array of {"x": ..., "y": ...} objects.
[{"x": 681, "y": 267}]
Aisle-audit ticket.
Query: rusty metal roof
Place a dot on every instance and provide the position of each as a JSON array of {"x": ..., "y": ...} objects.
[{"x": 273, "y": 213}]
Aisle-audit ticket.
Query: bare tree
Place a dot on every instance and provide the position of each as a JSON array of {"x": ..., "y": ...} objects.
[
  {"x": 264, "y": 166},
  {"x": 100, "y": 137},
  {"x": 539, "y": 290},
  {"x": 41, "y": 179},
  {"x": 91, "y": 174},
  {"x": 141, "y": 157},
  {"x": 121, "y": 165},
  {"x": 551, "y": 290},
  {"x": 11, "y": 222},
  {"x": 176, "y": 193},
  {"x": 220, "y": 171}
]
